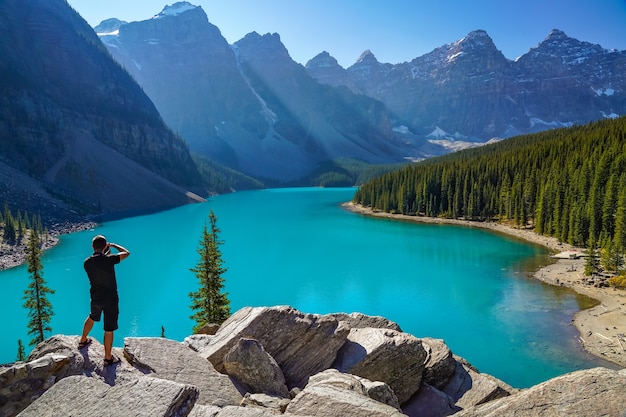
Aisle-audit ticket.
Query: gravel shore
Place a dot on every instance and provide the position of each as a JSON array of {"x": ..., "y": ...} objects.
[{"x": 15, "y": 255}]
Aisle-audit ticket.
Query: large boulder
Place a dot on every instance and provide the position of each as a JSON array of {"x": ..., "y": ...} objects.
[
  {"x": 395, "y": 358},
  {"x": 254, "y": 368},
  {"x": 81, "y": 396},
  {"x": 469, "y": 387},
  {"x": 302, "y": 344},
  {"x": 379, "y": 391},
  {"x": 430, "y": 402},
  {"x": 440, "y": 363},
  {"x": 466, "y": 386},
  {"x": 331, "y": 394},
  {"x": 592, "y": 392},
  {"x": 174, "y": 361}
]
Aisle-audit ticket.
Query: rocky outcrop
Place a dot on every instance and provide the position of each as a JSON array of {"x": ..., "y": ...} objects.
[
  {"x": 396, "y": 374},
  {"x": 302, "y": 344}
]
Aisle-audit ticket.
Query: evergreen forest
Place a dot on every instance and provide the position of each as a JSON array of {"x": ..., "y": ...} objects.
[{"x": 568, "y": 183}]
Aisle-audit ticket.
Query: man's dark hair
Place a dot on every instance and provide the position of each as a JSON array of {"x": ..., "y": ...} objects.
[{"x": 99, "y": 242}]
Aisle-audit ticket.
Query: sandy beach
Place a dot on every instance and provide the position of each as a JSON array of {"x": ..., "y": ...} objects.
[{"x": 600, "y": 326}]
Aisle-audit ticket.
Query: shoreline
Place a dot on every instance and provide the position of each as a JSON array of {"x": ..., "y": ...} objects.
[
  {"x": 12, "y": 256},
  {"x": 598, "y": 326}
]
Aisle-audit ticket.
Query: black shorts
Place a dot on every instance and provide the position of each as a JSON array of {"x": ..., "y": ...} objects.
[{"x": 111, "y": 312}]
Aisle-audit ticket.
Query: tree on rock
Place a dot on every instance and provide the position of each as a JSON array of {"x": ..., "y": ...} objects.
[
  {"x": 36, "y": 295},
  {"x": 21, "y": 353},
  {"x": 210, "y": 304}
]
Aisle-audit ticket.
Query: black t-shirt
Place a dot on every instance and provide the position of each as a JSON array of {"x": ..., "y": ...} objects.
[{"x": 101, "y": 272}]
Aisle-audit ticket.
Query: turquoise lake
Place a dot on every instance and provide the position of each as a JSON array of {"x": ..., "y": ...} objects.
[{"x": 299, "y": 247}]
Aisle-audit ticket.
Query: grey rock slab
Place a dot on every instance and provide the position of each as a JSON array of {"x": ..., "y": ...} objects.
[
  {"x": 591, "y": 392},
  {"x": 331, "y": 394},
  {"x": 440, "y": 363},
  {"x": 174, "y": 361},
  {"x": 469, "y": 387},
  {"x": 80, "y": 396},
  {"x": 395, "y": 358},
  {"x": 52, "y": 360},
  {"x": 360, "y": 320},
  {"x": 302, "y": 344},
  {"x": 198, "y": 341}
]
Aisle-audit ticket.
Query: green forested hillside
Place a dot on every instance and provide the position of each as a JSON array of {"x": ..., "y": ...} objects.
[{"x": 567, "y": 183}]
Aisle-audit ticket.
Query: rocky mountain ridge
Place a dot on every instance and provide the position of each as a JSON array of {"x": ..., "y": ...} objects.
[
  {"x": 268, "y": 361},
  {"x": 469, "y": 89},
  {"x": 249, "y": 105}
]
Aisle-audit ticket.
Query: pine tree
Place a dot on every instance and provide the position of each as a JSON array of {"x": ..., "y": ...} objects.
[
  {"x": 593, "y": 263},
  {"x": 10, "y": 231},
  {"x": 210, "y": 304},
  {"x": 21, "y": 354},
  {"x": 36, "y": 301},
  {"x": 612, "y": 258}
]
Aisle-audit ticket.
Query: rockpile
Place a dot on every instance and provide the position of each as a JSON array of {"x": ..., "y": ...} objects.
[{"x": 272, "y": 361}]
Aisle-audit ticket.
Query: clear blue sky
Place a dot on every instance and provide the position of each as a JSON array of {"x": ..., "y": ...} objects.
[{"x": 394, "y": 30}]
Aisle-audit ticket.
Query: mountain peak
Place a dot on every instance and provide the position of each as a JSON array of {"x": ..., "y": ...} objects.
[
  {"x": 476, "y": 39},
  {"x": 556, "y": 34},
  {"x": 323, "y": 59},
  {"x": 109, "y": 26},
  {"x": 175, "y": 9},
  {"x": 367, "y": 56},
  {"x": 557, "y": 43}
]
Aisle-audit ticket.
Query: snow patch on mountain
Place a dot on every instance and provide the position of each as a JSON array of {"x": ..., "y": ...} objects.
[
  {"x": 455, "y": 145},
  {"x": 175, "y": 9},
  {"x": 604, "y": 91},
  {"x": 451, "y": 142},
  {"x": 114, "y": 33},
  {"x": 402, "y": 129},
  {"x": 438, "y": 133},
  {"x": 453, "y": 57},
  {"x": 610, "y": 115},
  {"x": 535, "y": 122}
]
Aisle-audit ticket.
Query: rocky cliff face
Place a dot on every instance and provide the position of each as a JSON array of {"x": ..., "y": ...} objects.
[
  {"x": 77, "y": 133},
  {"x": 249, "y": 106},
  {"x": 268, "y": 361},
  {"x": 468, "y": 89}
]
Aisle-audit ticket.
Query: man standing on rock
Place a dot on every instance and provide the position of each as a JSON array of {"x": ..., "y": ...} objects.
[{"x": 100, "y": 268}]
